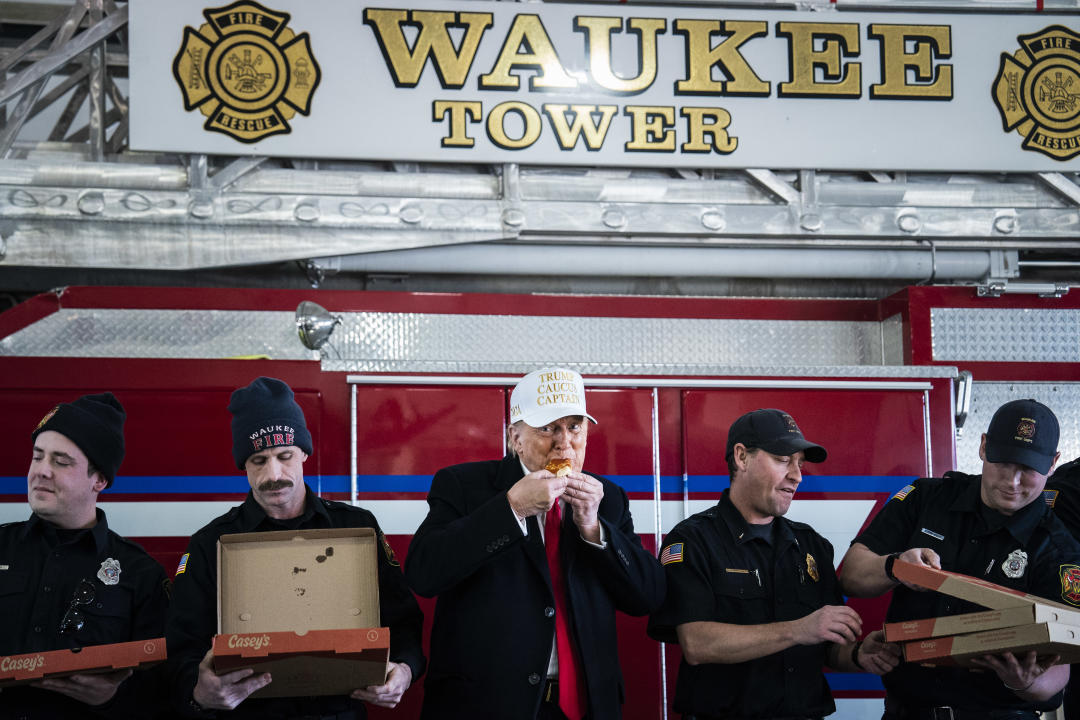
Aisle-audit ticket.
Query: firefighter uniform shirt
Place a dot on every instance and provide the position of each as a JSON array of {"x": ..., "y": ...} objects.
[
  {"x": 62, "y": 589},
  {"x": 721, "y": 569},
  {"x": 1030, "y": 551}
]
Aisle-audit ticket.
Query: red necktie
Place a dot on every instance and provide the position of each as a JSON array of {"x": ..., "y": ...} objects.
[{"x": 571, "y": 679}]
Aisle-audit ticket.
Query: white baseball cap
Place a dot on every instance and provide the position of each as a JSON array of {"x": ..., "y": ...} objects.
[{"x": 546, "y": 395}]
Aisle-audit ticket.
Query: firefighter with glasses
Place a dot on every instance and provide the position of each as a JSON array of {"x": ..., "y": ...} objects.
[{"x": 68, "y": 581}]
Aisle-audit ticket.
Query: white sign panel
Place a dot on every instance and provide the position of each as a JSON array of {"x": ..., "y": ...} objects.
[{"x": 601, "y": 85}]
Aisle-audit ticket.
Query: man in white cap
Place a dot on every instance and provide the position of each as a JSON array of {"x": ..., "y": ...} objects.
[{"x": 529, "y": 557}]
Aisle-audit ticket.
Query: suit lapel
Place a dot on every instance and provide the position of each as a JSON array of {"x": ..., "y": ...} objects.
[
  {"x": 510, "y": 472},
  {"x": 534, "y": 548}
]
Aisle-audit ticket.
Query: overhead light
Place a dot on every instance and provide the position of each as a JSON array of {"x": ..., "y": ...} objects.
[{"x": 314, "y": 324}]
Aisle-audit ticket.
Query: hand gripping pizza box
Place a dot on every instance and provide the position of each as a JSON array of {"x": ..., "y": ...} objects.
[
  {"x": 302, "y": 605},
  {"x": 976, "y": 636},
  {"x": 28, "y": 667}
]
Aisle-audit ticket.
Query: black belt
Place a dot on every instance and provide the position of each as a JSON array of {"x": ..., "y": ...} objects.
[{"x": 896, "y": 711}]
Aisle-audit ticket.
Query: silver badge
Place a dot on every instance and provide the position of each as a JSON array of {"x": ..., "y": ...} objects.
[
  {"x": 109, "y": 572},
  {"x": 1015, "y": 564}
]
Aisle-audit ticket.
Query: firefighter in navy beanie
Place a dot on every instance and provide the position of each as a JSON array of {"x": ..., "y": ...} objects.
[
  {"x": 271, "y": 443},
  {"x": 67, "y": 580}
]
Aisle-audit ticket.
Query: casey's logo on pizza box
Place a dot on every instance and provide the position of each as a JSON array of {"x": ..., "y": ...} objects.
[
  {"x": 255, "y": 642},
  {"x": 26, "y": 663}
]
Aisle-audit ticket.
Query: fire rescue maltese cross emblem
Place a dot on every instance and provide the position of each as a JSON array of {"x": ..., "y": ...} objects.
[
  {"x": 1037, "y": 91},
  {"x": 246, "y": 71}
]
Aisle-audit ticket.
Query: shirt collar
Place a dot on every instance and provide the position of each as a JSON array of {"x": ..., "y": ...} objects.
[
  {"x": 737, "y": 525},
  {"x": 99, "y": 533},
  {"x": 252, "y": 515},
  {"x": 1021, "y": 524}
]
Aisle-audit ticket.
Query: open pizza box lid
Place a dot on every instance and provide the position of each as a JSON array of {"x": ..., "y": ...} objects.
[{"x": 302, "y": 605}]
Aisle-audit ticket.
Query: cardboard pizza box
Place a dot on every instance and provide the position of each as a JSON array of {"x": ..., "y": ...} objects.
[
  {"x": 1035, "y": 612},
  {"x": 969, "y": 588},
  {"x": 1044, "y": 638},
  {"x": 27, "y": 667},
  {"x": 302, "y": 605},
  {"x": 320, "y": 662}
]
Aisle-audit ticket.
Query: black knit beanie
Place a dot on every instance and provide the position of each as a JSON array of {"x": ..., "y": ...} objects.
[
  {"x": 266, "y": 415},
  {"x": 96, "y": 424}
]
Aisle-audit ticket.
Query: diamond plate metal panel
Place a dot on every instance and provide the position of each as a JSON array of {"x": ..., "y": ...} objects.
[
  {"x": 430, "y": 343},
  {"x": 408, "y": 341},
  {"x": 1062, "y": 398},
  {"x": 1005, "y": 335},
  {"x": 892, "y": 340},
  {"x": 159, "y": 334}
]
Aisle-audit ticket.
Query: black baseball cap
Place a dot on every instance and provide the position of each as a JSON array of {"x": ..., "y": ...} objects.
[
  {"x": 1023, "y": 432},
  {"x": 773, "y": 431}
]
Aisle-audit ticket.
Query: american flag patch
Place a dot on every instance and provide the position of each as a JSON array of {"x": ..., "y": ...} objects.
[
  {"x": 672, "y": 554},
  {"x": 1050, "y": 496},
  {"x": 903, "y": 493},
  {"x": 183, "y": 564}
]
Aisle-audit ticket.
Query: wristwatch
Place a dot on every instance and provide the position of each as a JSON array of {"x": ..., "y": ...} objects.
[{"x": 889, "y": 562}]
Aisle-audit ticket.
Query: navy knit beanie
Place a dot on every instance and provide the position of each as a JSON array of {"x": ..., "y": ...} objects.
[
  {"x": 96, "y": 424},
  {"x": 265, "y": 415}
]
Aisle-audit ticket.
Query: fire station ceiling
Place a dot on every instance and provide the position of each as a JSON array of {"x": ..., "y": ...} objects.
[{"x": 77, "y": 206}]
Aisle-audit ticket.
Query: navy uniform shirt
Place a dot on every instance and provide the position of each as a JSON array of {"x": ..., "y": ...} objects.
[
  {"x": 40, "y": 568},
  {"x": 719, "y": 571},
  {"x": 1063, "y": 495},
  {"x": 1030, "y": 551},
  {"x": 193, "y": 617}
]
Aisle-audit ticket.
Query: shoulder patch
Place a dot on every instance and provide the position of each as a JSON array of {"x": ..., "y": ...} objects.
[
  {"x": 390, "y": 556},
  {"x": 182, "y": 567},
  {"x": 1050, "y": 496},
  {"x": 673, "y": 553},
  {"x": 1070, "y": 584},
  {"x": 903, "y": 492}
]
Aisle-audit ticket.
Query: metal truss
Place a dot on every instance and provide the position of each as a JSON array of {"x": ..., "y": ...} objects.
[{"x": 80, "y": 199}]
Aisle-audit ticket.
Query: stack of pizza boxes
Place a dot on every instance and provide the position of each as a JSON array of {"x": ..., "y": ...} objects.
[{"x": 1015, "y": 622}]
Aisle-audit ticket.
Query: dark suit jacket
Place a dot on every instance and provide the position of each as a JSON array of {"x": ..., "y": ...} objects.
[{"x": 494, "y": 629}]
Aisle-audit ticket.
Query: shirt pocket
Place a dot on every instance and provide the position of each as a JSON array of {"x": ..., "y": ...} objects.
[
  {"x": 739, "y": 596},
  {"x": 740, "y": 583},
  {"x": 13, "y": 593},
  {"x": 107, "y": 616}
]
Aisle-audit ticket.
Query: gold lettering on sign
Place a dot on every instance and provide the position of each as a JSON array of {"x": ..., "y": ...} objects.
[
  {"x": 651, "y": 128},
  {"x": 528, "y": 46},
  {"x": 590, "y": 121},
  {"x": 496, "y": 125},
  {"x": 460, "y": 111},
  {"x": 599, "y": 29},
  {"x": 839, "y": 79},
  {"x": 705, "y": 122},
  {"x": 932, "y": 81},
  {"x": 702, "y": 57},
  {"x": 433, "y": 41}
]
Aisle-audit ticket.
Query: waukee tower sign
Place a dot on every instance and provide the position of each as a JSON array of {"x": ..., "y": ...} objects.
[{"x": 597, "y": 85}]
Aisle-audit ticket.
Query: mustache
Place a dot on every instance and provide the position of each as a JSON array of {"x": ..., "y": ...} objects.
[{"x": 271, "y": 485}]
